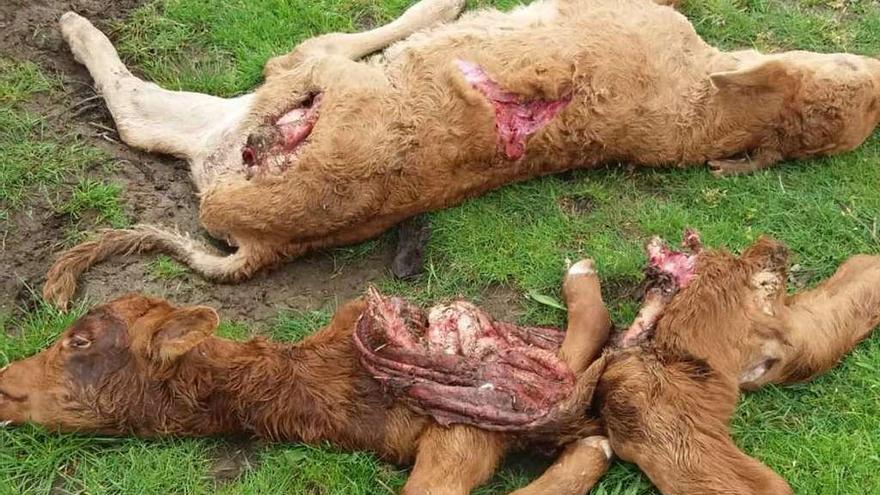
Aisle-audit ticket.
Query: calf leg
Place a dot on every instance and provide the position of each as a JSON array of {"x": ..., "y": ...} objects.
[
  {"x": 588, "y": 320},
  {"x": 669, "y": 414},
  {"x": 422, "y": 15},
  {"x": 580, "y": 466},
  {"x": 454, "y": 460},
  {"x": 823, "y": 324},
  {"x": 149, "y": 117},
  {"x": 584, "y": 461}
]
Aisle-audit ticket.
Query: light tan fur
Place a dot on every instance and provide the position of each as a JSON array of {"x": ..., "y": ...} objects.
[{"x": 403, "y": 132}]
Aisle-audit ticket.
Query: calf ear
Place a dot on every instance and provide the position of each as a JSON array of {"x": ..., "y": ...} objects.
[
  {"x": 182, "y": 330},
  {"x": 769, "y": 75}
]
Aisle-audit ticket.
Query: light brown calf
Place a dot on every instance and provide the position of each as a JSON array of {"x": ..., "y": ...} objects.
[
  {"x": 332, "y": 151},
  {"x": 141, "y": 366},
  {"x": 667, "y": 402}
]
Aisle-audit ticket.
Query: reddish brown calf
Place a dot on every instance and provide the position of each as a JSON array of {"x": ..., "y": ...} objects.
[
  {"x": 141, "y": 366},
  {"x": 667, "y": 402}
]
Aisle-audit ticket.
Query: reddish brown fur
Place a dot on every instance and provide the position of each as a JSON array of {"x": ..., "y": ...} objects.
[
  {"x": 405, "y": 133},
  {"x": 141, "y": 366},
  {"x": 667, "y": 403}
]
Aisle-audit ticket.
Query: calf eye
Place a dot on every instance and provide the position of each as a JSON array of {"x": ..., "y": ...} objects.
[{"x": 78, "y": 342}]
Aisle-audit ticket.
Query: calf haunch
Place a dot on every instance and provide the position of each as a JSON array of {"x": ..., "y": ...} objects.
[{"x": 459, "y": 366}]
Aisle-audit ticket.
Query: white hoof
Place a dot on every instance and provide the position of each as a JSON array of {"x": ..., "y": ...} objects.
[{"x": 582, "y": 267}]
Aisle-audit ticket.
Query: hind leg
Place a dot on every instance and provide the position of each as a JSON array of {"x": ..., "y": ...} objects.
[
  {"x": 580, "y": 466},
  {"x": 669, "y": 414},
  {"x": 180, "y": 123},
  {"x": 454, "y": 460},
  {"x": 588, "y": 320}
]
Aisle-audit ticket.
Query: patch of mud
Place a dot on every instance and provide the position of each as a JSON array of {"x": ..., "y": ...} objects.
[
  {"x": 502, "y": 303},
  {"x": 157, "y": 190},
  {"x": 616, "y": 289},
  {"x": 232, "y": 459},
  {"x": 576, "y": 205},
  {"x": 308, "y": 283}
]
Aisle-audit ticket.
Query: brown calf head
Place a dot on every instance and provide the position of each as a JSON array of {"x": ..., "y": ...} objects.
[
  {"x": 107, "y": 372},
  {"x": 667, "y": 401},
  {"x": 830, "y": 102},
  {"x": 726, "y": 314}
]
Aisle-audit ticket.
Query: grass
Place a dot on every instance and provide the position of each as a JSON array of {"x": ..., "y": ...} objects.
[
  {"x": 823, "y": 437},
  {"x": 165, "y": 268},
  {"x": 38, "y": 162},
  {"x": 100, "y": 199}
]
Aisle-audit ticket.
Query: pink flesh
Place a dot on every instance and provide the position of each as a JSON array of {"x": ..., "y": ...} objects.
[
  {"x": 671, "y": 271},
  {"x": 293, "y": 128},
  {"x": 515, "y": 120},
  {"x": 677, "y": 264},
  {"x": 297, "y": 124},
  {"x": 459, "y": 366}
]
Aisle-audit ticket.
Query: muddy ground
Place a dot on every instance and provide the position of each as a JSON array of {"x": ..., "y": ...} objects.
[{"x": 157, "y": 190}]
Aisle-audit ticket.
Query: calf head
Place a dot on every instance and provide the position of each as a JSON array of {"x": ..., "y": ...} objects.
[
  {"x": 830, "y": 102},
  {"x": 726, "y": 315},
  {"x": 112, "y": 371},
  {"x": 667, "y": 400}
]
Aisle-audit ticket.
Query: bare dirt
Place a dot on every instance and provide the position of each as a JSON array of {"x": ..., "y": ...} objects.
[{"x": 157, "y": 190}]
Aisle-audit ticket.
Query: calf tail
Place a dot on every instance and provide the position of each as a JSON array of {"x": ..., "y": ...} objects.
[{"x": 61, "y": 278}]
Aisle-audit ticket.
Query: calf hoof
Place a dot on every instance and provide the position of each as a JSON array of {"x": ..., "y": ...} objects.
[
  {"x": 413, "y": 237},
  {"x": 581, "y": 281}
]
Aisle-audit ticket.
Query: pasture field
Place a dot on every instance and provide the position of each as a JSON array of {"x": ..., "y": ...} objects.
[{"x": 63, "y": 174}]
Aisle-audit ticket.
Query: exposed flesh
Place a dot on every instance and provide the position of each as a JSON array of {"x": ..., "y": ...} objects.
[
  {"x": 272, "y": 147},
  {"x": 515, "y": 119},
  {"x": 667, "y": 272},
  {"x": 458, "y": 365}
]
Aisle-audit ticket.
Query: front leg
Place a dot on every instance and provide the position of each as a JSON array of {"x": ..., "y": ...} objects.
[{"x": 739, "y": 166}]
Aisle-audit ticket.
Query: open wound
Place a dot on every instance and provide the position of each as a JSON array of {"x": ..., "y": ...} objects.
[
  {"x": 515, "y": 119},
  {"x": 272, "y": 146},
  {"x": 458, "y": 365},
  {"x": 668, "y": 271}
]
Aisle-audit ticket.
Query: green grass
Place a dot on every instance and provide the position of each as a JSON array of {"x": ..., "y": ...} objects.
[
  {"x": 823, "y": 437},
  {"x": 165, "y": 268},
  {"x": 100, "y": 199},
  {"x": 38, "y": 162}
]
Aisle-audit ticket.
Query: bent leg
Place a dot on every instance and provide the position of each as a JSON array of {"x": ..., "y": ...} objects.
[
  {"x": 149, "y": 117},
  {"x": 353, "y": 46},
  {"x": 580, "y": 466},
  {"x": 454, "y": 460},
  {"x": 588, "y": 320}
]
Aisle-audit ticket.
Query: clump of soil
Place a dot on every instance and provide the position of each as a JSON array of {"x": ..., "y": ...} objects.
[{"x": 577, "y": 205}]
